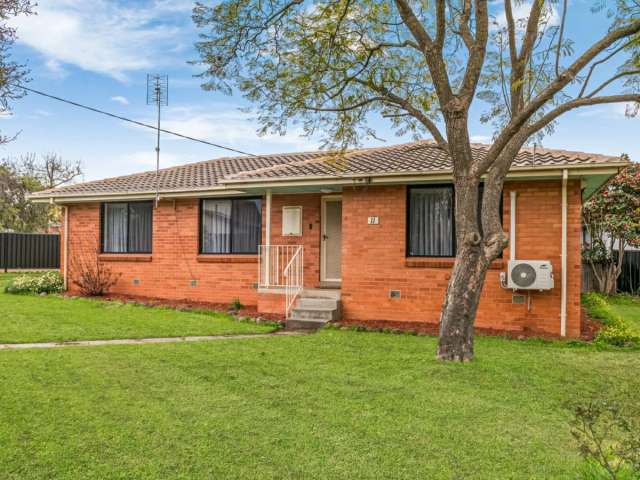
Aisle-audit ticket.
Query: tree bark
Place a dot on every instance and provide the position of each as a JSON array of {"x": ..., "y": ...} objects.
[{"x": 475, "y": 251}]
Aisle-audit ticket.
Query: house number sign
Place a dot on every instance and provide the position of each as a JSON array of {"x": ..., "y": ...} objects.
[{"x": 374, "y": 220}]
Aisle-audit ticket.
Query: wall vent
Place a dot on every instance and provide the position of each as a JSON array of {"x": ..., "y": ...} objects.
[
  {"x": 136, "y": 281},
  {"x": 394, "y": 294}
]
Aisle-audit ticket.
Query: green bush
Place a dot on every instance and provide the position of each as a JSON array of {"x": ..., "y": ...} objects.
[
  {"x": 615, "y": 330},
  {"x": 49, "y": 282}
]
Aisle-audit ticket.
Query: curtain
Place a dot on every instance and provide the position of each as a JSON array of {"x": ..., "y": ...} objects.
[
  {"x": 216, "y": 226},
  {"x": 140, "y": 226},
  {"x": 431, "y": 222},
  {"x": 115, "y": 227},
  {"x": 246, "y": 225}
]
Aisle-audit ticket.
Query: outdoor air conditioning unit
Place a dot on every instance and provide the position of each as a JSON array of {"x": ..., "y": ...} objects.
[{"x": 530, "y": 275}]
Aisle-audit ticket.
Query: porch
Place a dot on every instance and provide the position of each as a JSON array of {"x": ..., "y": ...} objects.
[{"x": 299, "y": 264}]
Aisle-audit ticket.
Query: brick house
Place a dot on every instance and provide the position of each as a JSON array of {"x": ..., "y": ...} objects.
[{"x": 368, "y": 237}]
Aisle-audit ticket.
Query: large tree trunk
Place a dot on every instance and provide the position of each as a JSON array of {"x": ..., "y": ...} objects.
[{"x": 475, "y": 252}]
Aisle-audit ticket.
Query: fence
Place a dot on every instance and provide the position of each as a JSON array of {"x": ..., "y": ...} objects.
[
  {"x": 629, "y": 279},
  {"x": 29, "y": 251}
]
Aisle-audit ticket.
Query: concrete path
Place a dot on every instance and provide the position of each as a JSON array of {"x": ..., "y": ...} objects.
[{"x": 143, "y": 341}]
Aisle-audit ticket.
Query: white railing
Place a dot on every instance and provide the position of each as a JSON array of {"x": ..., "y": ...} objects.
[
  {"x": 272, "y": 263},
  {"x": 293, "y": 277}
]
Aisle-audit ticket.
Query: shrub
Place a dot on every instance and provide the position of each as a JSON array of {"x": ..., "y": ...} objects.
[
  {"x": 93, "y": 277},
  {"x": 608, "y": 439},
  {"x": 49, "y": 282},
  {"x": 615, "y": 331},
  {"x": 236, "y": 305}
]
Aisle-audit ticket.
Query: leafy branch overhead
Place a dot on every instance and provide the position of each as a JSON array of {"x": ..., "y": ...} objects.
[{"x": 331, "y": 66}]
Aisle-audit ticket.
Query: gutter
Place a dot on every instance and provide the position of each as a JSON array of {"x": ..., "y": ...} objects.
[{"x": 233, "y": 187}]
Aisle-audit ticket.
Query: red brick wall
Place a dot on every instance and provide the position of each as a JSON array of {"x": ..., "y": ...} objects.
[
  {"x": 374, "y": 261},
  {"x": 168, "y": 271},
  {"x": 373, "y": 258}
]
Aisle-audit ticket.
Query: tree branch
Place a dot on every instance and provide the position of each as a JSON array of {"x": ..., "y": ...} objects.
[
  {"x": 561, "y": 36},
  {"x": 568, "y": 75},
  {"x": 599, "y": 62},
  {"x": 611, "y": 80}
]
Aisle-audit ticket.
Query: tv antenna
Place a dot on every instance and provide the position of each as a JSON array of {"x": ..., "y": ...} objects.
[{"x": 158, "y": 94}]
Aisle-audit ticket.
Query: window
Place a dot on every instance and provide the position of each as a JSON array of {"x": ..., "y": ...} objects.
[
  {"x": 230, "y": 225},
  {"x": 292, "y": 221},
  {"x": 431, "y": 230},
  {"x": 127, "y": 227},
  {"x": 430, "y": 221}
]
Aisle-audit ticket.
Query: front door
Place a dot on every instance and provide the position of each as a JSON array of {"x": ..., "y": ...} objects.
[{"x": 330, "y": 267}]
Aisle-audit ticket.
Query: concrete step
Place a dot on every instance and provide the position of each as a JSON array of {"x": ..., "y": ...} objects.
[
  {"x": 295, "y": 323},
  {"x": 317, "y": 313},
  {"x": 331, "y": 293},
  {"x": 311, "y": 302}
]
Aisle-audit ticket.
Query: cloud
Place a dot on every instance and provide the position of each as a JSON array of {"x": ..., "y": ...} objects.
[
  {"x": 521, "y": 13},
  {"x": 224, "y": 124},
  {"x": 480, "y": 138},
  {"x": 614, "y": 111},
  {"x": 147, "y": 159},
  {"x": 120, "y": 99},
  {"x": 55, "y": 69},
  {"x": 107, "y": 37}
]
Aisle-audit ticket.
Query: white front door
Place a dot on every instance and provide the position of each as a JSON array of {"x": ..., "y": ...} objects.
[{"x": 331, "y": 238}]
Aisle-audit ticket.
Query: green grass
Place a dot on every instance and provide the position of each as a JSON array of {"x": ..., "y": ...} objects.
[
  {"x": 628, "y": 308},
  {"x": 31, "y": 318},
  {"x": 332, "y": 405}
]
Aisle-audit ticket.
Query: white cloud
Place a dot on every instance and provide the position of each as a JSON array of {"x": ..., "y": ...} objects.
[
  {"x": 55, "y": 68},
  {"x": 480, "y": 138},
  {"x": 107, "y": 37},
  {"x": 147, "y": 159},
  {"x": 226, "y": 125},
  {"x": 120, "y": 99},
  {"x": 521, "y": 13},
  {"x": 614, "y": 111}
]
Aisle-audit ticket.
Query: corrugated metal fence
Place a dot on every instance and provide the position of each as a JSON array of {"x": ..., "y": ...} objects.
[
  {"x": 629, "y": 280},
  {"x": 29, "y": 251}
]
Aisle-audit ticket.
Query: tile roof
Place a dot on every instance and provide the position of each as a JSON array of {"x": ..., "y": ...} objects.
[{"x": 411, "y": 158}]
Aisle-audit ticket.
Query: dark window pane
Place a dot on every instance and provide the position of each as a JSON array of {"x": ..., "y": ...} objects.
[
  {"x": 114, "y": 227},
  {"x": 246, "y": 225},
  {"x": 431, "y": 222},
  {"x": 216, "y": 226},
  {"x": 140, "y": 218}
]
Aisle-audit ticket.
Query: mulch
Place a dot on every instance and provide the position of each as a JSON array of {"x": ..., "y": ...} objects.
[{"x": 190, "y": 305}]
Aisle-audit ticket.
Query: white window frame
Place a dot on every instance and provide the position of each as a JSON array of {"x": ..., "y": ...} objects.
[{"x": 297, "y": 233}]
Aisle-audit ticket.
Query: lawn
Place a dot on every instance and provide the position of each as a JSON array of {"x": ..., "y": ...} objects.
[
  {"x": 29, "y": 318},
  {"x": 337, "y": 404},
  {"x": 628, "y": 308}
]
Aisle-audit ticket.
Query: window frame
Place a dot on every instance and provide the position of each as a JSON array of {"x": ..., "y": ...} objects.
[
  {"x": 201, "y": 226},
  {"x": 103, "y": 208},
  {"x": 453, "y": 213}
]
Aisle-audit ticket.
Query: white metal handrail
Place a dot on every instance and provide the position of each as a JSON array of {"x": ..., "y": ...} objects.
[
  {"x": 273, "y": 259},
  {"x": 293, "y": 275}
]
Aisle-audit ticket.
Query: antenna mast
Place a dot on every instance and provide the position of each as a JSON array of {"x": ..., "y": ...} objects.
[{"x": 158, "y": 94}]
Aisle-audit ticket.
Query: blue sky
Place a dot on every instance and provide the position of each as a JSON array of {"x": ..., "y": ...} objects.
[{"x": 99, "y": 53}]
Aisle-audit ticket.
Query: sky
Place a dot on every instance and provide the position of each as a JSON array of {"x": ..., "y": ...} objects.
[{"x": 99, "y": 53}]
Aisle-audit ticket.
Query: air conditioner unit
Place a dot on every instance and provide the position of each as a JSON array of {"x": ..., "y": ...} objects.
[{"x": 530, "y": 275}]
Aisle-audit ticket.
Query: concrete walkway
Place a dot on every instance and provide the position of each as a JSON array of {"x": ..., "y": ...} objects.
[{"x": 143, "y": 341}]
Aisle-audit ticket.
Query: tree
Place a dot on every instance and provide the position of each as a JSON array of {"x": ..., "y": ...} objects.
[
  {"x": 332, "y": 64},
  {"x": 27, "y": 174},
  {"x": 612, "y": 220},
  {"x": 11, "y": 73}
]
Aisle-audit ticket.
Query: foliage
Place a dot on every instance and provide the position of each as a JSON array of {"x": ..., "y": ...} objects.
[
  {"x": 25, "y": 175},
  {"x": 236, "y": 305},
  {"x": 608, "y": 438},
  {"x": 11, "y": 73},
  {"x": 329, "y": 66},
  {"x": 612, "y": 219},
  {"x": 93, "y": 277},
  {"x": 615, "y": 331},
  {"x": 338, "y": 404},
  {"x": 49, "y": 282}
]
